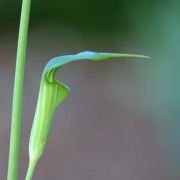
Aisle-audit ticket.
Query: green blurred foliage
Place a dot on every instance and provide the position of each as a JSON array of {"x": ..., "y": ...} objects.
[{"x": 102, "y": 16}]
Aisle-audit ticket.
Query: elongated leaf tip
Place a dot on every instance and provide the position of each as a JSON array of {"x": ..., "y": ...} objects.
[{"x": 103, "y": 55}]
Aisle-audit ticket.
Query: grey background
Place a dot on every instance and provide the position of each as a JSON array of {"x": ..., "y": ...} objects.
[{"x": 121, "y": 118}]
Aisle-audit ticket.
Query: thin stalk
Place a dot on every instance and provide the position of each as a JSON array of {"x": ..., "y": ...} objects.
[
  {"x": 18, "y": 92},
  {"x": 31, "y": 168}
]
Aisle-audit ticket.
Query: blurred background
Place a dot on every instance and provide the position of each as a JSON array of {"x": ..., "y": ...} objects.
[{"x": 121, "y": 118}]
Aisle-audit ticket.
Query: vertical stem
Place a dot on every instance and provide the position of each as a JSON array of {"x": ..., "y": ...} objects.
[
  {"x": 18, "y": 92},
  {"x": 31, "y": 167}
]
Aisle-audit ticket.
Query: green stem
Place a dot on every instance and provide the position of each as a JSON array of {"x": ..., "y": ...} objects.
[
  {"x": 18, "y": 92},
  {"x": 31, "y": 168}
]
